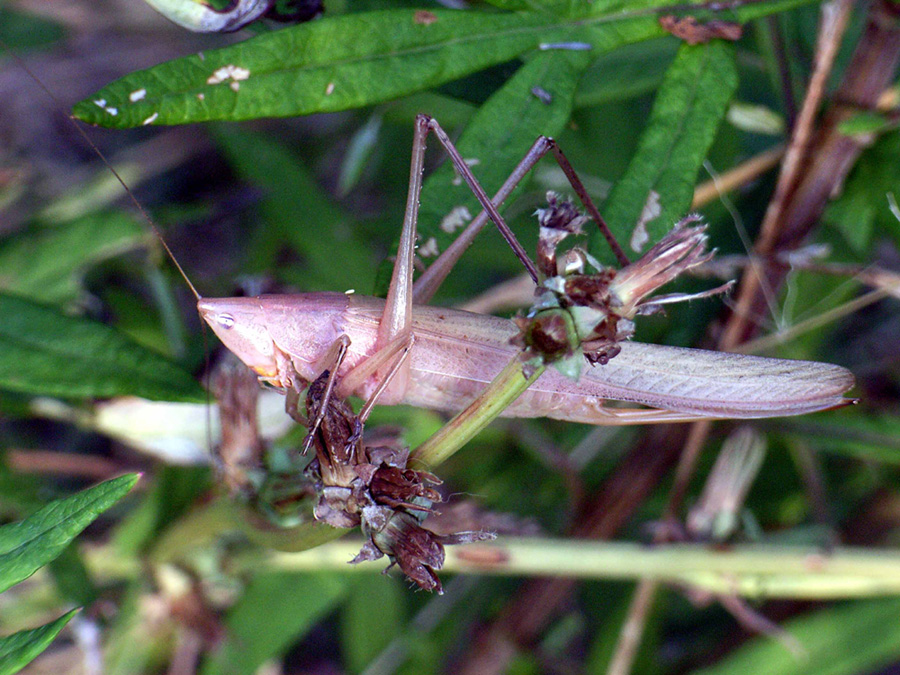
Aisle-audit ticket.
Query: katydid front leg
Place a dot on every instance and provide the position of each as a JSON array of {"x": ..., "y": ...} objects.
[
  {"x": 293, "y": 384},
  {"x": 335, "y": 356}
]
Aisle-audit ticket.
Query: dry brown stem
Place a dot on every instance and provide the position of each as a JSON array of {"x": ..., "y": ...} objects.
[
  {"x": 814, "y": 168},
  {"x": 818, "y": 162}
]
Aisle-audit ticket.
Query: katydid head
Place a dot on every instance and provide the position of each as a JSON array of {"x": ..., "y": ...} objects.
[{"x": 239, "y": 324}]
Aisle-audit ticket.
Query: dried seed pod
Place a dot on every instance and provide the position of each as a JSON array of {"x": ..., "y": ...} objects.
[
  {"x": 372, "y": 487},
  {"x": 577, "y": 312}
]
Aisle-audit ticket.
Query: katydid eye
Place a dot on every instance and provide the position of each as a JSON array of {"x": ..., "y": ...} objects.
[{"x": 226, "y": 321}]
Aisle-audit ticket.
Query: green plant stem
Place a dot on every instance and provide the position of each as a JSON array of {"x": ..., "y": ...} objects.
[
  {"x": 207, "y": 523},
  {"x": 497, "y": 396},
  {"x": 753, "y": 571}
]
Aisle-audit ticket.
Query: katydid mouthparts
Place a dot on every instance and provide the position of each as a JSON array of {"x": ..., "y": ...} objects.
[{"x": 444, "y": 358}]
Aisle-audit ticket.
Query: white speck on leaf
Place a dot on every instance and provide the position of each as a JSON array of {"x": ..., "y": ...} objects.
[
  {"x": 454, "y": 220},
  {"x": 200, "y": 96},
  {"x": 151, "y": 119},
  {"x": 235, "y": 86},
  {"x": 429, "y": 249},
  {"x": 542, "y": 95},
  {"x": 651, "y": 210},
  {"x": 101, "y": 103},
  {"x": 229, "y": 72},
  {"x": 329, "y": 90},
  {"x": 570, "y": 46},
  {"x": 137, "y": 95}
]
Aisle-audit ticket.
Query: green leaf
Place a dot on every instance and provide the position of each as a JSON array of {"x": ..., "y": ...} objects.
[
  {"x": 275, "y": 610},
  {"x": 21, "y": 31},
  {"x": 172, "y": 494},
  {"x": 688, "y": 109},
  {"x": 45, "y": 352},
  {"x": 874, "y": 437},
  {"x": 314, "y": 67},
  {"x": 362, "y": 639},
  {"x": 359, "y": 151},
  {"x": 130, "y": 644},
  {"x": 499, "y": 135},
  {"x": 19, "y": 493},
  {"x": 30, "y": 544},
  {"x": 295, "y": 210},
  {"x": 624, "y": 73},
  {"x": 863, "y": 210},
  {"x": 853, "y": 638},
  {"x": 20, "y": 649},
  {"x": 865, "y": 124},
  {"x": 72, "y": 578},
  {"x": 47, "y": 264}
]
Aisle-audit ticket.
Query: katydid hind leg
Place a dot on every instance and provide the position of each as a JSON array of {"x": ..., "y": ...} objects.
[
  {"x": 431, "y": 279},
  {"x": 615, "y": 417},
  {"x": 388, "y": 360},
  {"x": 466, "y": 173},
  {"x": 397, "y": 315},
  {"x": 429, "y": 282},
  {"x": 588, "y": 203}
]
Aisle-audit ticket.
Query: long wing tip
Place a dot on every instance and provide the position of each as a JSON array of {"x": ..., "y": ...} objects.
[{"x": 839, "y": 382}]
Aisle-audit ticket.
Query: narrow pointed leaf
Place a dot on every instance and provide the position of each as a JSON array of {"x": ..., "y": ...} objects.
[
  {"x": 336, "y": 260},
  {"x": 536, "y": 101},
  {"x": 20, "y": 649},
  {"x": 858, "y": 637},
  {"x": 276, "y": 610},
  {"x": 314, "y": 67},
  {"x": 625, "y": 73},
  {"x": 30, "y": 544},
  {"x": 48, "y": 264},
  {"x": 690, "y": 105},
  {"x": 45, "y": 352}
]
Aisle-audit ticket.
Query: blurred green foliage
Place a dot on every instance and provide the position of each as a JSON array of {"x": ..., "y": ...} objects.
[{"x": 91, "y": 310}]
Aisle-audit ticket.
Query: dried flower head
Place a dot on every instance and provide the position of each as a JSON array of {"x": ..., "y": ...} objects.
[
  {"x": 560, "y": 219},
  {"x": 585, "y": 309},
  {"x": 371, "y": 486},
  {"x": 417, "y": 551},
  {"x": 683, "y": 248}
]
